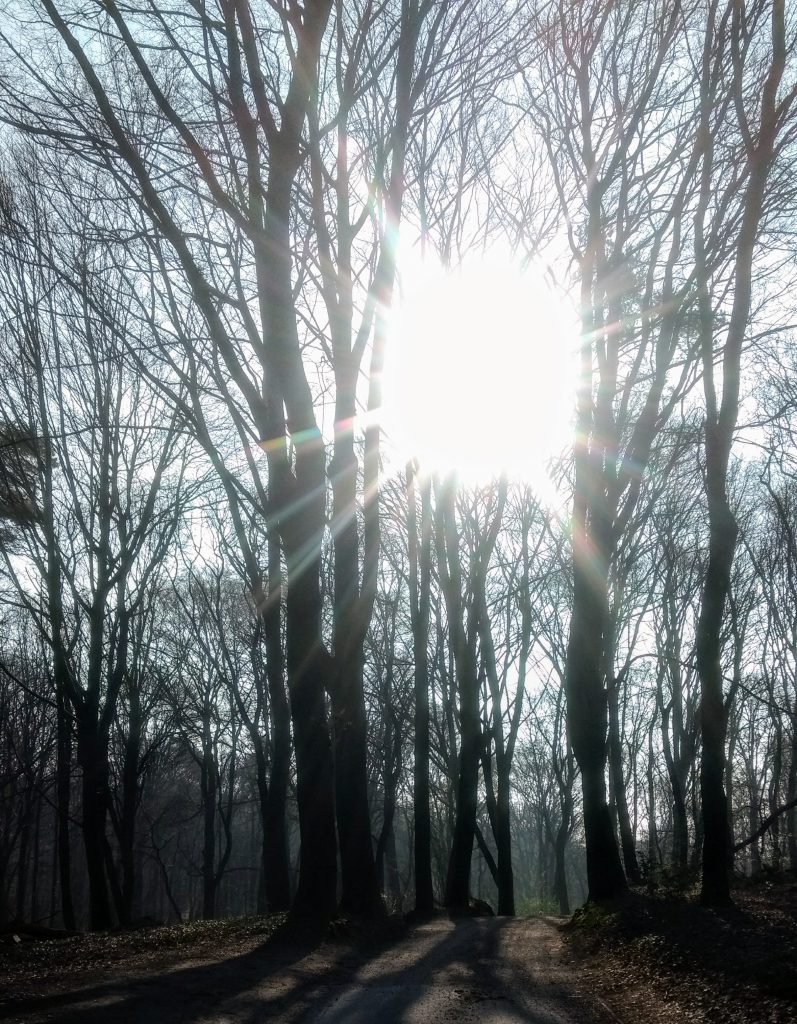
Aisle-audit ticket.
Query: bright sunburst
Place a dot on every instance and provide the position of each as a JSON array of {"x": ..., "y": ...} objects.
[{"x": 480, "y": 371}]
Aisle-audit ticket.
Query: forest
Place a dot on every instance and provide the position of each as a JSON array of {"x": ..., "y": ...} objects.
[{"x": 265, "y": 648}]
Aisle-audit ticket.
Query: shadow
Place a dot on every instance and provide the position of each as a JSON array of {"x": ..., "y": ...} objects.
[
  {"x": 469, "y": 965},
  {"x": 748, "y": 948},
  {"x": 180, "y": 993},
  {"x": 438, "y": 966}
]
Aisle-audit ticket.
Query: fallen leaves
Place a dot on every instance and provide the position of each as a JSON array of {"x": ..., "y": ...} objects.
[
  {"x": 25, "y": 966},
  {"x": 671, "y": 961}
]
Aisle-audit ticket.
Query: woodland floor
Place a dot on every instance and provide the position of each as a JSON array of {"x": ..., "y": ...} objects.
[
  {"x": 486, "y": 970},
  {"x": 667, "y": 960},
  {"x": 646, "y": 960}
]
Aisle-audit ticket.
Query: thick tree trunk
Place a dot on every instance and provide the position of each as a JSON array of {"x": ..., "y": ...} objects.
[
  {"x": 560, "y": 871},
  {"x": 503, "y": 843},
  {"x": 298, "y": 496},
  {"x": 359, "y": 887},
  {"x": 94, "y": 792},
  {"x": 713, "y": 714},
  {"x": 719, "y": 432},
  {"x": 316, "y": 894},
  {"x": 276, "y": 864},
  {"x": 457, "y": 893},
  {"x": 359, "y": 884},
  {"x": 587, "y": 726}
]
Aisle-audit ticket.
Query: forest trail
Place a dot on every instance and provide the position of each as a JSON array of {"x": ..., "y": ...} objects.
[{"x": 490, "y": 970}]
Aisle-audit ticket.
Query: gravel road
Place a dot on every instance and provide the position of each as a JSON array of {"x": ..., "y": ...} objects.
[{"x": 490, "y": 970}]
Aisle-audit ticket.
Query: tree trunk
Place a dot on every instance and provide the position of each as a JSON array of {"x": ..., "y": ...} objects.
[
  {"x": 420, "y": 577},
  {"x": 617, "y": 775},
  {"x": 386, "y": 844},
  {"x": 653, "y": 843},
  {"x": 127, "y": 822},
  {"x": 209, "y": 798},
  {"x": 462, "y": 642},
  {"x": 457, "y": 892},
  {"x": 774, "y": 791},
  {"x": 713, "y": 715},
  {"x": 503, "y": 845},
  {"x": 316, "y": 894},
  {"x": 560, "y": 866},
  {"x": 676, "y": 771},
  {"x": 299, "y": 498},
  {"x": 63, "y": 786},
  {"x": 94, "y": 791},
  {"x": 791, "y": 794},
  {"x": 359, "y": 888},
  {"x": 276, "y": 864},
  {"x": 22, "y": 856},
  {"x": 719, "y": 433},
  {"x": 587, "y": 727},
  {"x": 351, "y": 610}
]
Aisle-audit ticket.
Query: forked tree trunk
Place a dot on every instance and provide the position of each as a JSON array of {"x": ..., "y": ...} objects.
[
  {"x": 359, "y": 884},
  {"x": 298, "y": 497},
  {"x": 721, "y": 418}
]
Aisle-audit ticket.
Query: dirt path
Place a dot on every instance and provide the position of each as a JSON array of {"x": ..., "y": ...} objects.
[{"x": 490, "y": 970}]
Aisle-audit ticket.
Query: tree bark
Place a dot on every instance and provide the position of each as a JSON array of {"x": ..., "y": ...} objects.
[
  {"x": 94, "y": 792},
  {"x": 127, "y": 821},
  {"x": 617, "y": 775},
  {"x": 587, "y": 726},
  {"x": 63, "y": 788},
  {"x": 208, "y": 786},
  {"x": 420, "y": 557},
  {"x": 720, "y": 424},
  {"x": 462, "y": 640}
]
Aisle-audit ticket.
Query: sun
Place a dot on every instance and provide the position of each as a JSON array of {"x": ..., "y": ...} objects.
[{"x": 480, "y": 371}]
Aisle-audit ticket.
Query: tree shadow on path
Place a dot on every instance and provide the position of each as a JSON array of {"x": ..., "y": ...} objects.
[{"x": 445, "y": 970}]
